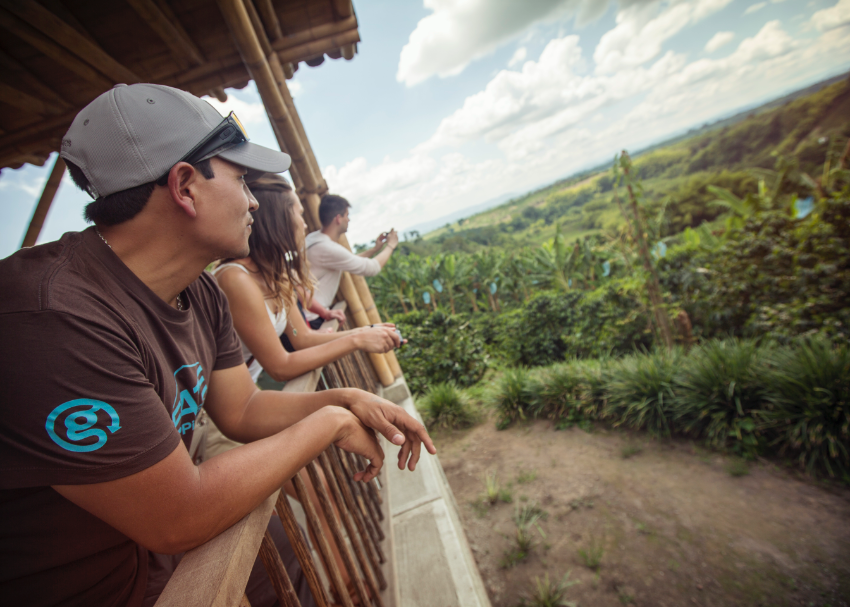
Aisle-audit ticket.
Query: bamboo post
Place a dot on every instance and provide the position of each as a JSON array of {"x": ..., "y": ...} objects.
[
  {"x": 238, "y": 20},
  {"x": 276, "y": 570},
  {"x": 355, "y": 306},
  {"x": 372, "y": 312},
  {"x": 47, "y": 196}
]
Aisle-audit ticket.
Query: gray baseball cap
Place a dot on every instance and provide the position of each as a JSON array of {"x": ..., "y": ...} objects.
[{"x": 133, "y": 134}]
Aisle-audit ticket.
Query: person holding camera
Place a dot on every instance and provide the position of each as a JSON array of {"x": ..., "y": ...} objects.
[{"x": 329, "y": 259}]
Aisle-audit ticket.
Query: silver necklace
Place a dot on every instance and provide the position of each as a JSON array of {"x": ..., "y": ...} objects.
[{"x": 179, "y": 295}]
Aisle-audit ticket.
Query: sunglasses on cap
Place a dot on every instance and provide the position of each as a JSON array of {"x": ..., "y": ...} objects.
[{"x": 228, "y": 133}]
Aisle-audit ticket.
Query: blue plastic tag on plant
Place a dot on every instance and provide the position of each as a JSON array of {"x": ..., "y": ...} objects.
[
  {"x": 438, "y": 285},
  {"x": 493, "y": 288},
  {"x": 427, "y": 297},
  {"x": 803, "y": 206},
  {"x": 659, "y": 250},
  {"x": 606, "y": 268}
]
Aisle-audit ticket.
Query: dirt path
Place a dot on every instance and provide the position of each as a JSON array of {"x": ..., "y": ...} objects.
[{"x": 675, "y": 527}]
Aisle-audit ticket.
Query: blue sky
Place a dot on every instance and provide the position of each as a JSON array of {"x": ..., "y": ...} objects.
[{"x": 451, "y": 103}]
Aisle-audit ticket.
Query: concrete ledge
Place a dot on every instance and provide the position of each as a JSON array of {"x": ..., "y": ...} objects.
[{"x": 434, "y": 565}]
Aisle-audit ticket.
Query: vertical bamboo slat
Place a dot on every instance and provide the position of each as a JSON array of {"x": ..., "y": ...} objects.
[
  {"x": 302, "y": 551},
  {"x": 277, "y": 572}
]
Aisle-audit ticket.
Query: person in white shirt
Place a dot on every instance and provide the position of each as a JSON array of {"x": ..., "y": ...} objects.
[{"x": 329, "y": 259}]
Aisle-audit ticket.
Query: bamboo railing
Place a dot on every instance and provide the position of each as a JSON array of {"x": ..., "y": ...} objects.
[{"x": 216, "y": 573}]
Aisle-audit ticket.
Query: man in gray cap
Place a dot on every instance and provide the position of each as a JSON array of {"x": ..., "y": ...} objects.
[{"x": 115, "y": 338}]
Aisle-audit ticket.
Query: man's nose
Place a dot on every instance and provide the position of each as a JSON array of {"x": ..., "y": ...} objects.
[{"x": 253, "y": 203}]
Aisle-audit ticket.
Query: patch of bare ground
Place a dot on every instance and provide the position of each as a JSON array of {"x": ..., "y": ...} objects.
[{"x": 669, "y": 524}]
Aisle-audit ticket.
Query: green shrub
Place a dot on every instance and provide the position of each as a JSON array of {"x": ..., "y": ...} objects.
[
  {"x": 809, "y": 390},
  {"x": 569, "y": 393},
  {"x": 445, "y": 406},
  {"x": 550, "y": 593},
  {"x": 719, "y": 395},
  {"x": 512, "y": 397},
  {"x": 640, "y": 391},
  {"x": 442, "y": 348}
]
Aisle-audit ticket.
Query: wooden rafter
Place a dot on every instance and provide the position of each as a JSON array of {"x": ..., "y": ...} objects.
[
  {"x": 343, "y": 8},
  {"x": 58, "y": 8},
  {"x": 318, "y": 47},
  {"x": 28, "y": 34},
  {"x": 316, "y": 33},
  {"x": 23, "y": 101},
  {"x": 184, "y": 51},
  {"x": 47, "y": 196},
  {"x": 19, "y": 74},
  {"x": 69, "y": 38}
]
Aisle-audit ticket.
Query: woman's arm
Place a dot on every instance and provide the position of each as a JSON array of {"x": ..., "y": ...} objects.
[
  {"x": 302, "y": 336},
  {"x": 255, "y": 328}
]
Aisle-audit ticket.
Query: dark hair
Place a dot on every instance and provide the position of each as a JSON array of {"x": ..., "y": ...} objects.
[
  {"x": 124, "y": 205},
  {"x": 277, "y": 246},
  {"x": 331, "y": 206}
]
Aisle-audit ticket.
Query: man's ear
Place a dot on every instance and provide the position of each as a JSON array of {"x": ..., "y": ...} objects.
[{"x": 181, "y": 180}]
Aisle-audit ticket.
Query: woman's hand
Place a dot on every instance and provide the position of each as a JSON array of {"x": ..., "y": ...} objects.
[
  {"x": 328, "y": 314},
  {"x": 394, "y": 423},
  {"x": 378, "y": 339}
]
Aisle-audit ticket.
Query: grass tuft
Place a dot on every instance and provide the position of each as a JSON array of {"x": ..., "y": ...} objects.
[
  {"x": 592, "y": 555},
  {"x": 630, "y": 450},
  {"x": 445, "y": 406},
  {"x": 549, "y": 593}
]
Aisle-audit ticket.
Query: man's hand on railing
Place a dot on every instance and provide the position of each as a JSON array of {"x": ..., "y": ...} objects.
[
  {"x": 355, "y": 437},
  {"x": 396, "y": 424}
]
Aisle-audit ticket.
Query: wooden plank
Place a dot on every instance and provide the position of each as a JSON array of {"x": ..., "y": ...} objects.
[
  {"x": 32, "y": 36},
  {"x": 215, "y": 574},
  {"x": 47, "y": 196},
  {"x": 182, "y": 48},
  {"x": 343, "y": 8},
  {"x": 54, "y": 28}
]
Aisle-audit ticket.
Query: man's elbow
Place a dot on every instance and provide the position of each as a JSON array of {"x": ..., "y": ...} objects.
[{"x": 174, "y": 540}]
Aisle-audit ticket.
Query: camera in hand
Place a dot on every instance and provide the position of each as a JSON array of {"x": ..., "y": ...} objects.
[{"x": 401, "y": 339}]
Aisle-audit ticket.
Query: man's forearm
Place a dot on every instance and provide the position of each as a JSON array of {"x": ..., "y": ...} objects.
[{"x": 270, "y": 411}]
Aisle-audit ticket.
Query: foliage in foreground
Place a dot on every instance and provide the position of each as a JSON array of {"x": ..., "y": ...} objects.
[{"x": 736, "y": 395}]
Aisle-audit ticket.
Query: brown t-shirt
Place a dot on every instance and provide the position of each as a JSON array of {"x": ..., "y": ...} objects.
[{"x": 100, "y": 379}]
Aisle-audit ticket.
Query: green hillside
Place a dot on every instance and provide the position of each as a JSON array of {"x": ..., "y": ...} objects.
[{"x": 676, "y": 174}]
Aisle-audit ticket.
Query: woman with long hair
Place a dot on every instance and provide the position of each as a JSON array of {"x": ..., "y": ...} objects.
[{"x": 262, "y": 292}]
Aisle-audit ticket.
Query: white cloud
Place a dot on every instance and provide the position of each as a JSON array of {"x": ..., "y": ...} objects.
[
  {"x": 832, "y": 18},
  {"x": 552, "y": 117},
  {"x": 518, "y": 57},
  {"x": 717, "y": 40},
  {"x": 642, "y": 29},
  {"x": 459, "y": 31},
  {"x": 755, "y": 8}
]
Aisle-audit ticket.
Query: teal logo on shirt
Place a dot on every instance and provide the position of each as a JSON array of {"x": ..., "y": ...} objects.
[
  {"x": 79, "y": 418},
  {"x": 191, "y": 390}
]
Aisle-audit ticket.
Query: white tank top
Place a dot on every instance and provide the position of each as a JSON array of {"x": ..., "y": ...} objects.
[{"x": 278, "y": 320}]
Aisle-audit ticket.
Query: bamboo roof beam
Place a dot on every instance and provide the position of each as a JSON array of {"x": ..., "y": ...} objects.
[
  {"x": 47, "y": 196},
  {"x": 270, "y": 18},
  {"x": 258, "y": 28},
  {"x": 30, "y": 35},
  {"x": 18, "y": 73},
  {"x": 237, "y": 18},
  {"x": 53, "y": 27},
  {"x": 348, "y": 51},
  {"x": 318, "y": 47},
  {"x": 168, "y": 28},
  {"x": 343, "y": 8},
  {"x": 315, "y": 33}
]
